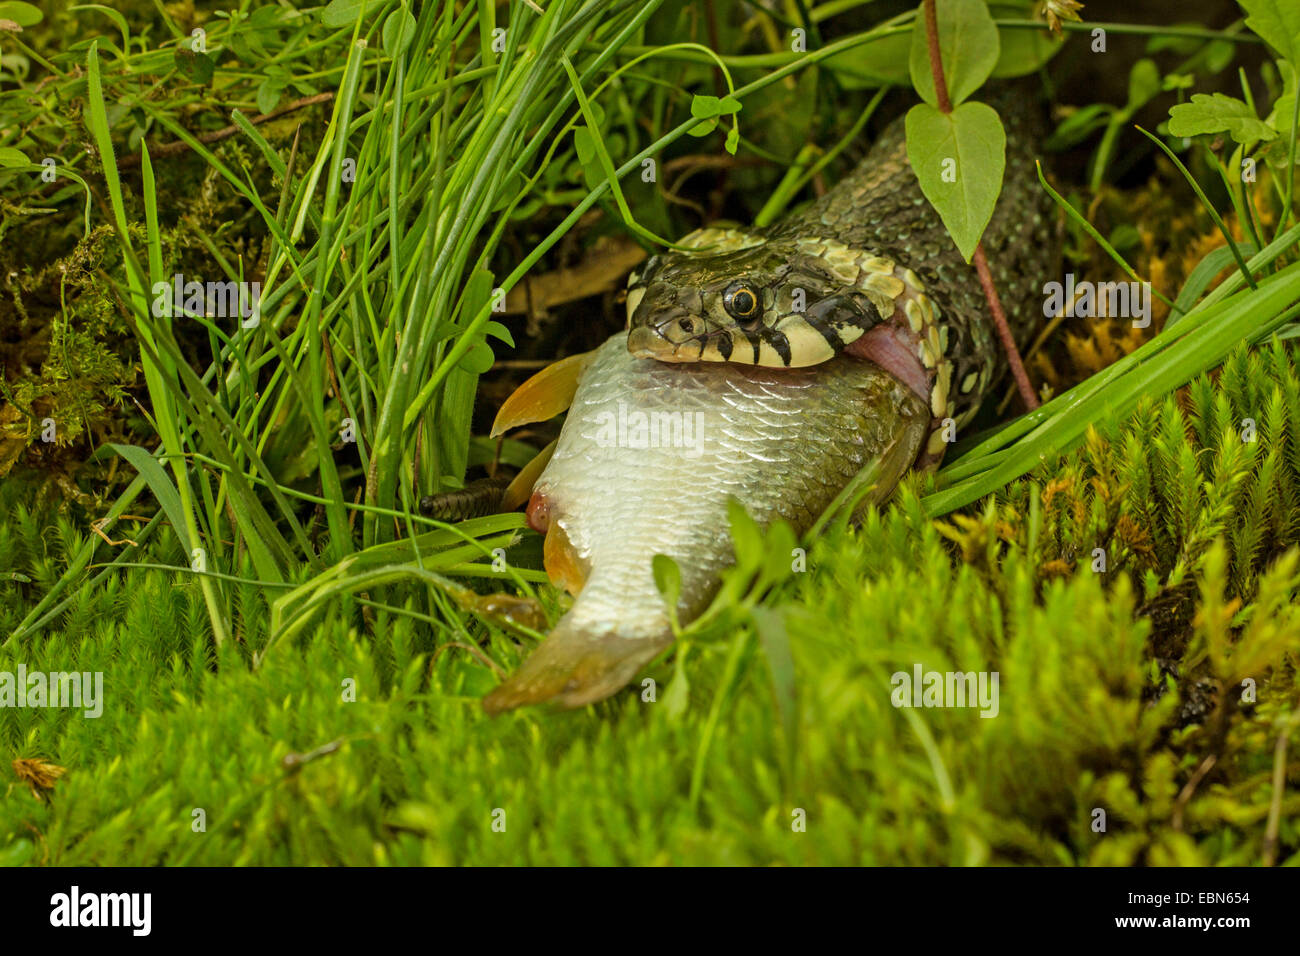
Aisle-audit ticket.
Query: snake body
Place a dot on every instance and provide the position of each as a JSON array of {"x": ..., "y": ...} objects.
[{"x": 867, "y": 268}]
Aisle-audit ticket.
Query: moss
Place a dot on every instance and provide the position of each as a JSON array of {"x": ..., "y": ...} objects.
[{"x": 1121, "y": 691}]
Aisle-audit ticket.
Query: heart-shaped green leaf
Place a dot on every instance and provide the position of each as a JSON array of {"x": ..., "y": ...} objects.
[{"x": 959, "y": 159}]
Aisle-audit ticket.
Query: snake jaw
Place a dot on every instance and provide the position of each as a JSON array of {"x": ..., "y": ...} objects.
[
  {"x": 668, "y": 330},
  {"x": 711, "y": 345},
  {"x": 677, "y": 336},
  {"x": 643, "y": 342}
]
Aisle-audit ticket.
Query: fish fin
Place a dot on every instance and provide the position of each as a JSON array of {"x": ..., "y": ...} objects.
[
  {"x": 510, "y": 610},
  {"x": 562, "y": 562},
  {"x": 521, "y": 488},
  {"x": 896, "y": 460},
  {"x": 573, "y": 668},
  {"x": 544, "y": 395}
]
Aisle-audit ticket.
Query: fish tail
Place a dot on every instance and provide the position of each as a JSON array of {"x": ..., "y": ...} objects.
[{"x": 574, "y": 667}]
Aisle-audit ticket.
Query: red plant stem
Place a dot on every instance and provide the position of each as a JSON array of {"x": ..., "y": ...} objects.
[
  {"x": 936, "y": 58},
  {"x": 1004, "y": 330},
  {"x": 981, "y": 264}
]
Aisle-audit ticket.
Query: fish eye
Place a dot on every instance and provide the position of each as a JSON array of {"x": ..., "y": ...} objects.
[{"x": 740, "y": 301}]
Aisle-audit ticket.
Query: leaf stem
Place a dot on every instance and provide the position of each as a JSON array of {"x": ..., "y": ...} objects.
[
  {"x": 1004, "y": 330},
  {"x": 977, "y": 259},
  {"x": 936, "y": 58}
]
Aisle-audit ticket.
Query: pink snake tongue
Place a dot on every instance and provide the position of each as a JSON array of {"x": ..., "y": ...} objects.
[{"x": 893, "y": 349}]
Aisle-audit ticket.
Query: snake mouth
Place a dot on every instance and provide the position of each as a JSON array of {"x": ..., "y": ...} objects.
[
  {"x": 644, "y": 342},
  {"x": 674, "y": 338}
]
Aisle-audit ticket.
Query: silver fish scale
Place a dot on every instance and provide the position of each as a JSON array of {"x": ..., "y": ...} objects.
[{"x": 782, "y": 441}]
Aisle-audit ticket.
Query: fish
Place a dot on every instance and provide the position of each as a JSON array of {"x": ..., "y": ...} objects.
[{"x": 647, "y": 460}]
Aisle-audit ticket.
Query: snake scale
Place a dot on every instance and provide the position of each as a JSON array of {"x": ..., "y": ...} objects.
[{"x": 867, "y": 268}]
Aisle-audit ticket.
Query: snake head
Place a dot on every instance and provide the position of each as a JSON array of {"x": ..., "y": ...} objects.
[{"x": 771, "y": 303}]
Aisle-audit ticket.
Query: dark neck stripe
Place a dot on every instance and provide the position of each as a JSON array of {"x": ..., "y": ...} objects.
[
  {"x": 827, "y": 332},
  {"x": 724, "y": 346},
  {"x": 779, "y": 342}
]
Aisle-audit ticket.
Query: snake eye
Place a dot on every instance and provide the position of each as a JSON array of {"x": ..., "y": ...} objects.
[{"x": 740, "y": 301}]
